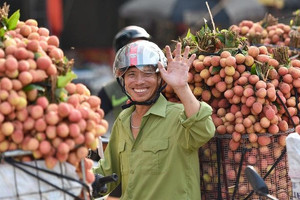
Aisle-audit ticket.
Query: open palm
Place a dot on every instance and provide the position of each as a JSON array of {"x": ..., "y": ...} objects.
[{"x": 176, "y": 74}]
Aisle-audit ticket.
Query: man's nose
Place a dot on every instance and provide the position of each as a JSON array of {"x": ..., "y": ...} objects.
[{"x": 140, "y": 78}]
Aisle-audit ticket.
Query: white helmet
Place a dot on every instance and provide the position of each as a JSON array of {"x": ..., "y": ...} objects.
[{"x": 142, "y": 54}]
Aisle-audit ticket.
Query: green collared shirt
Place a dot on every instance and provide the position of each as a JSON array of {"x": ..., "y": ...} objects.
[{"x": 162, "y": 162}]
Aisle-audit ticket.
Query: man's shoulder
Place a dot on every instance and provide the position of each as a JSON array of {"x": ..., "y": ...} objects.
[{"x": 123, "y": 115}]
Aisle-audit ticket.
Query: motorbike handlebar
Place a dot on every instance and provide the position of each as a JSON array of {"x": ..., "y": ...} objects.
[{"x": 99, "y": 185}]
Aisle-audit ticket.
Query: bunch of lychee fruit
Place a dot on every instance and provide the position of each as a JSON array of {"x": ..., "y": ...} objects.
[
  {"x": 246, "y": 99},
  {"x": 63, "y": 130}
]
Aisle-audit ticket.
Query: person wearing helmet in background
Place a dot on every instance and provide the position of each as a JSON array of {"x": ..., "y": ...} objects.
[
  {"x": 154, "y": 143},
  {"x": 111, "y": 95}
]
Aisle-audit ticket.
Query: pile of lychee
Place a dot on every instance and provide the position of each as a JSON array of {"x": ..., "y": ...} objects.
[
  {"x": 254, "y": 93},
  {"x": 254, "y": 97},
  {"x": 243, "y": 100},
  {"x": 59, "y": 127},
  {"x": 277, "y": 34}
]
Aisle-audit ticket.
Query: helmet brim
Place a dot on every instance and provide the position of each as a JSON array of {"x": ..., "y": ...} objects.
[{"x": 148, "y": 69}]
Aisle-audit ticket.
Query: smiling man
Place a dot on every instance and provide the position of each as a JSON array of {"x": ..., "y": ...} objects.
[{"x": 154, "y": 143}]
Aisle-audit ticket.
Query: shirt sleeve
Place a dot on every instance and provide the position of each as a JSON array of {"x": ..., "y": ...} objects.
[
  {"x": 198, "y": 129},
  {"x": 109, "y": 164}
]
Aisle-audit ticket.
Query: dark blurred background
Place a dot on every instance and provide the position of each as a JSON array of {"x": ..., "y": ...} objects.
[{"x": 86, "y": 28}]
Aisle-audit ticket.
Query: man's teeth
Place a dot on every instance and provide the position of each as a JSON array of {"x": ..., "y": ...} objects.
[{"x": 139, "y": 90}]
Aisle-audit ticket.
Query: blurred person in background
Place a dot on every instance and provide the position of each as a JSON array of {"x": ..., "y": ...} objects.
[
  {"x": 153, "y": 147},
  {"x": 111, "y": 94}
]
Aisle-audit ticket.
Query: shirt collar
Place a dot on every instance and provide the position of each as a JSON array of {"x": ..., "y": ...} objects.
[{"x": 158, "y": 108}]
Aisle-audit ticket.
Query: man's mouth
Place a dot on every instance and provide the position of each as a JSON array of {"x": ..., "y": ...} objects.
[{"x": 139, "y": 90}]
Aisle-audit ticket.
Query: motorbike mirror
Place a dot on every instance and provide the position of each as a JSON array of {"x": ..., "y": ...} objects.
[{"x": 256, "y": 181}]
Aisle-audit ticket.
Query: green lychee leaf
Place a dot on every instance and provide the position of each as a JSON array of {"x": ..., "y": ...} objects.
[
  {"x": 2, "y": 32},
  {"x": 244, "y": 52},
  {"x": 216, "y": 69},
  {"x": 33, "y": 86},
  {"x": 221, "y": 37},
  {"x": 189, "y": 35},
  {"x": 61, "y": 94},
  {"x": 13, "y": 20},
  {"x": 253, "y": 69},
  {"x": 62, "y": 81},
  {"x": 37, "y": 55}
]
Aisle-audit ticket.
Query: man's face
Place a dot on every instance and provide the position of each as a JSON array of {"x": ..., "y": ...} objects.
[{"x": 141, "y": 85}]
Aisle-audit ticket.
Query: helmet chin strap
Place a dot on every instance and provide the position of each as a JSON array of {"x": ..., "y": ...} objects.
[{"x": 148, "y": 102}]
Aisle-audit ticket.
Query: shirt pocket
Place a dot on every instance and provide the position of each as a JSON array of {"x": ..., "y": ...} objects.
[
  {"x": 155, "y": 152},
  {"x": 123, "y": 157}
]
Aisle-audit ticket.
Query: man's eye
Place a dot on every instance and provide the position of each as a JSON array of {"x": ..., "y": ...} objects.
[
  {"x": 148, "y": 74},
  {"x": 130, "y": 74}
]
